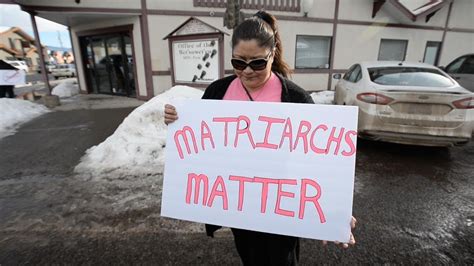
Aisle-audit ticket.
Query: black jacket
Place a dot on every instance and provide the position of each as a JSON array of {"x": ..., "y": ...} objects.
[{"x": 290, "y": 93}]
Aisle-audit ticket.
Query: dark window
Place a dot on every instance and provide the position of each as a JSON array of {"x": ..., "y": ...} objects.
[
  {"x": 468, "y": 66},
  {"x": 455, "y": 65},
  {"x": 393, "y": 50},
  {"x": 432, "y": 53},
  {"x": 356, "y": 74},
  {"x": 408, "y": 76},
  {"x": 349, "y": 72},
  {"x": 12, "y": 43},
  {"x": 312, "y": 51}
]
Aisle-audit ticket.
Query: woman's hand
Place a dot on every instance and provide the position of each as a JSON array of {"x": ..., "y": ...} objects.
[
  {"x": 352, "y": 240},
  {"x": 170, "y": 114}
]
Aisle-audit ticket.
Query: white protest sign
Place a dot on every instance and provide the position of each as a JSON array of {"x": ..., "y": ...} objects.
[
  {"x": 273, "y": 167},
  {"x": 12, "y": 77}
]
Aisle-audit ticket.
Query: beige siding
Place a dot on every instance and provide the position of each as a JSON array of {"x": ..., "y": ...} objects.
[
  {"x": 311, "y": 82},
  {"x": 361, "y": 43},
  {"x": 3, "y": 54},
  {"x": 462, "y": 14},
  {"x": 164, "y": 81}
]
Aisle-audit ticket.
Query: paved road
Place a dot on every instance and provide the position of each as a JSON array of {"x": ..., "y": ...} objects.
[{"x": 415, "y": 205}]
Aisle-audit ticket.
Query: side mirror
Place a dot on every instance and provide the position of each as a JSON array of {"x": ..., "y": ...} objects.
[{"x": 336, "y": 76}]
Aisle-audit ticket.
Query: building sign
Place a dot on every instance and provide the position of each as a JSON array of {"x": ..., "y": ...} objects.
[
  {"x": 196, "y": 53},
  {"x": 273, "y": 167},
  {"x": 196, "y": 61}
]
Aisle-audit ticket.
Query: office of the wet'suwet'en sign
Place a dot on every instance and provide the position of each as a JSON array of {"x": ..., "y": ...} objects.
[{"x": 196, "y": 53}]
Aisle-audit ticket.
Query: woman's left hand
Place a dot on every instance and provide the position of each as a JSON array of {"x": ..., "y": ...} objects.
[{"x": 352, "y": 240}]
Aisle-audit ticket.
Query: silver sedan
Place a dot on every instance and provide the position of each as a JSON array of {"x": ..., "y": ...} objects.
[{"x": 408, "y": 103}]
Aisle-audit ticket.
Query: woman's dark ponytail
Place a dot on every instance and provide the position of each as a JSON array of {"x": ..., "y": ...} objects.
[{"x": 263, "y": 27}]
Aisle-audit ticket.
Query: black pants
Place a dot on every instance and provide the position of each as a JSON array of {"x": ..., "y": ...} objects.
[
  {"x": 6, "y": 89},
  {"x": 256, "y": 248}
]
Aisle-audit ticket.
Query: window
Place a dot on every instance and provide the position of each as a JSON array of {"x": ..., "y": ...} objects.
[
  {"x": 468, "y": 66},
  {"x": 408, "y": 76},
  {"x": 354, "y": 75},
  {"x": 312, "y": 51},
  {"x": 12, "y": 43},
  {"x": 349, "y": 72},
  {"x": 455, "y": 65},
  {"x": 431, "y": 53},
  {"x": 394, "y": 50}
]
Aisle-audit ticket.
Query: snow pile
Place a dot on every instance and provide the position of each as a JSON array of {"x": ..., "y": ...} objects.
[
  {"x": 323, "y": 97},
  {"x": 137, "y": 145},
  {"x": 15, "y": 112},
  {"x": 65, "y": 89}
]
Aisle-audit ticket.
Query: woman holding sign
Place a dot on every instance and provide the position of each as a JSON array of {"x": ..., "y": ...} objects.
[{"x": 260, "y": 75}]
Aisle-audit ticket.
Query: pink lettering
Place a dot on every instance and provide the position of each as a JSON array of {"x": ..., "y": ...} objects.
[
  {"x": 242, "y": 180},
  {"x": 226, "y": 121},
  {"x": 313, "y": 146},
  {"x": 270, "y": 121},
  {"x": 313, "y": 199},
  {"x": 245, "y": 130},
  {"x": 281, "y": 193},
  {"x": 215, "y": 192},
  {"x": 287, "y": 133},
  {"x": 303, "y": 131},
  {"x": 184, "y": 136},
  {"x": 333, "y": 138},
  {"x": 206, "y": 134},
  {"x": 197, "y": 184},
  {"x": 350, "y": 141},
  {"x": 265, "y": 182}
]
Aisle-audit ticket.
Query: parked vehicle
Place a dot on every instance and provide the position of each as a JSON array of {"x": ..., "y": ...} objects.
[
  {"x": 18, "y": 64},
  {"x": 64, "y": 70},
  {"x": 408, "y": 103},
  {"x": 462, "y": 70},
  {"x": 48, "y": 66}
]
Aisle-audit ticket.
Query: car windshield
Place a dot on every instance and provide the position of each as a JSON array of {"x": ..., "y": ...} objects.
[{"x": 408, "y": 76}]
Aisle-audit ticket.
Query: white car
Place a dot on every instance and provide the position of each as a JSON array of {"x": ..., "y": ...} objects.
[
  {"x": 18, "y": 64},
  {"x": 64, "y": 70},
  {"x": 408, "y": 103}
]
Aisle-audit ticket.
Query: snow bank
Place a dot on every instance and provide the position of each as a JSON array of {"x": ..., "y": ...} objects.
[
  {"x": 15, "y": 112},
  {"x": 65, "y": 89},
  {"x": 323, "y": 97},
  {"x": 136, "y": 147}
]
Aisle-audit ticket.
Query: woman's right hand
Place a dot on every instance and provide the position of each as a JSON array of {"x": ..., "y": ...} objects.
[{"x": 170, "y": 114}]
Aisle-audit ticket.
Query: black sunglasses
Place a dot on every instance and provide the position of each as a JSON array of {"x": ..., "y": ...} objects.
[{"x": 256, "y": 64}]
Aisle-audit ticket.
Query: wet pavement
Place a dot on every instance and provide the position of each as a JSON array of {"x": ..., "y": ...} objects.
[{"x": 414, "y": 205}]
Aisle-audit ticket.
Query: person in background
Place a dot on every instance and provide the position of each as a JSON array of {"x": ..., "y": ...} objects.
[
  {"x": 6, "y": 89},
  {"x": 260, "y": 75}
]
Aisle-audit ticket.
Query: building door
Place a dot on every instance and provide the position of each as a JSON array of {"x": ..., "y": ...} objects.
[{"x": 109, "y": 64}]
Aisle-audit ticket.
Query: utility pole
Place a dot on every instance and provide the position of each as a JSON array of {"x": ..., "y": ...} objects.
[{"x": 40, "y": 52}]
